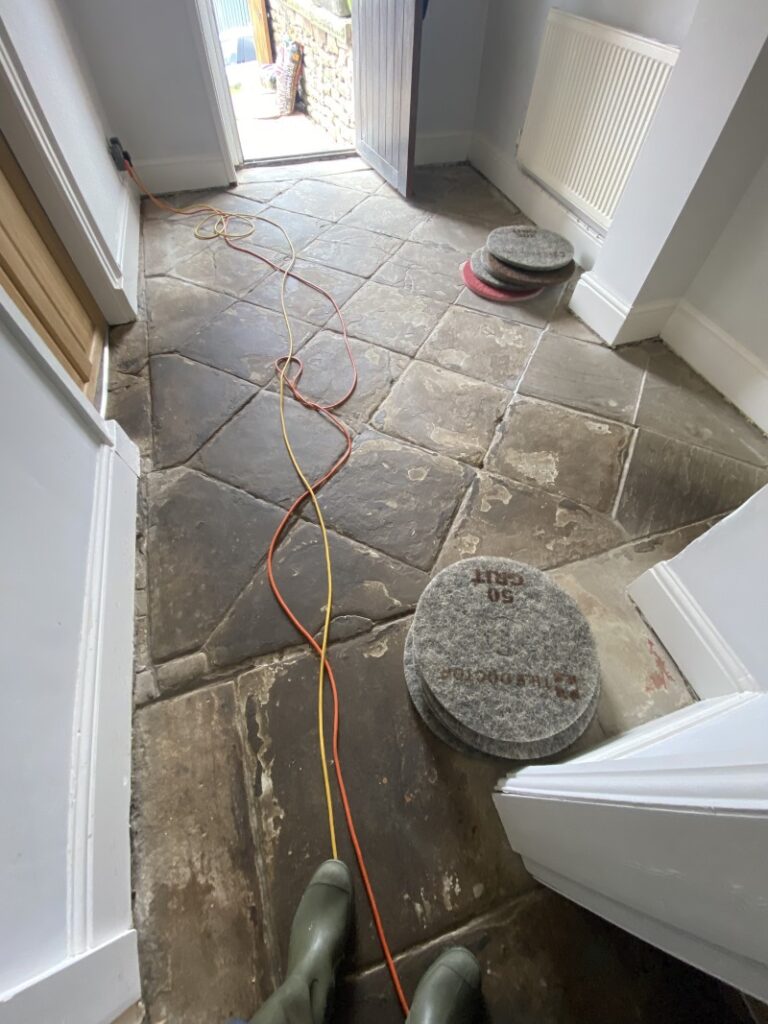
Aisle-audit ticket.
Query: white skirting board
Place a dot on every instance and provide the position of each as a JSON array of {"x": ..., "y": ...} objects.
[
  {"x": 182, "y": 175},
  {"x": 97, "y": 987},
  {"x": 730, "y": 367},
  {"x": 609, "y": 316},
  {"x": 442, "y": 148},
  {"x": 709, "y": 664}
]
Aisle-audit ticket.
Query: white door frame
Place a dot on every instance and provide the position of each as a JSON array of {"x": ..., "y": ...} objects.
[
  {"x": 73, "y": 832},
  {"x": 109, "y": 272},
  {"x": 215, "y": 74}
]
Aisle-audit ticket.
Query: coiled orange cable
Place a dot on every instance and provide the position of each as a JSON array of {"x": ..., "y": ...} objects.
[{"x": 220, "y": 228}]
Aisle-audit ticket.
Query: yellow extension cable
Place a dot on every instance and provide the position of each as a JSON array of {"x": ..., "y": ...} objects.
[{"x": 220, "y": 229}]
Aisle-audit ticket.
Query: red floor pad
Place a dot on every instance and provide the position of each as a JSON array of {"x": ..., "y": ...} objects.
[{"x": 485, "y": 291}]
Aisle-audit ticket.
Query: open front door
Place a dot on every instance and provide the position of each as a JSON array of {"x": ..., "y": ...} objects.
[{"x": 386, "y": 42}]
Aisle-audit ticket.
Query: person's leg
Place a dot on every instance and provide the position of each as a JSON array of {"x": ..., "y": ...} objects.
[
  {"x": 449, "y": 992},
  {"x": 319, "y": 935}
]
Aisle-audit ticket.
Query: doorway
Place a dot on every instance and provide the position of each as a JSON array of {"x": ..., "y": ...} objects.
[{"x": 290, "y": 76}]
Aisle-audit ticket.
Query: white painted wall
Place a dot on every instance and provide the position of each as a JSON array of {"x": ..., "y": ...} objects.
[
  {"x": 730, "y": 288},
  {"x": 513, "y": 36},
  {"x": 704, "y": 145},
  {"x": 452, "y": 42},
  {"x": 53, "y": 122},
  {"x": 149, "y": 69},
  {"x": 709, "y": 604},
  {"x": 720, "y": 326}
]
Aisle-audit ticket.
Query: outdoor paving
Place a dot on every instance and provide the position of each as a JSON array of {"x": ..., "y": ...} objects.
[{"x": 478, "y": 429}]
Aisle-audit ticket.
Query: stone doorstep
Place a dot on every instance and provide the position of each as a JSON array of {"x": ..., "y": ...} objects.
[{"x": 339, "y": 27}]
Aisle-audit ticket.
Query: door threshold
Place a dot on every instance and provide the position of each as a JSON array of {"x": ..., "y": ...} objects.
[{"x": 301, "y": 158}]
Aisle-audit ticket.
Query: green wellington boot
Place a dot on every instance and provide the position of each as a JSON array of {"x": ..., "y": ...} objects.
[
  {"x": 449, "y": 992},
  {"x": 319, "y": 934}
]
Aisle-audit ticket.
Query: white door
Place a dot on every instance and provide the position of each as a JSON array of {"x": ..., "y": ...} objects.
[{"x": 67, "y": 945}]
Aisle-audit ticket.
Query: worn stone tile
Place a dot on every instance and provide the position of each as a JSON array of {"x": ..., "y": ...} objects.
[
  {"x": 515, "y": 520},
  {"x": 303, "y": 301},
  {"x": 245, "y": 340},
  {"x": 351, "y": 249},
  {"x": 566, "y": 323},
  {"x": 203, "y": 949},
  {"x": 438, "y": 259},
  {"x": 418, "y": 280},
  {"x": 474, "y": 199},
  {"x": 204, "y": 542},
  {"x": 481, "y": 346},
  {"x": 262, "y": 192},
  {"x": 249, "y": 451},
  {"x": 670, "y": 483},
  {"x": 678, "y": 403},
  {"x": 300, "y": 229},
  {"x": 576, "y": 455},
  {"x": 168, "y": 242},
  {"x": 390, "y": 317},
  {"x": 640, "y": 681},
  {"x": 190, "y": 402},
  {"x": 407, "y": 788},
  {"x": 445, "y": 411},
  {"x": 231, "y": 200},
  {"x": 129, "y": 405},
  {"x": 388, "y": 216},
  {"x": 128, "y": 347},
  {"x": 323, "y": 199},
  {"x": 177, "y": 310},
  {"x": 368, "y": 587},
  {"x": 396, "y": 498},
  {"x": 327, "y": 374},
  {"x": 181, "y": 674},
  {"x": 536, "y": 312},
  {"x": 293, "y": 172},
  {"x": 346, "y": 234},
  {"x": 365, "y": 180},
  {"x": 605, "y": 381},
  {"x": 446, "y": 229},
  {"x": 546, "y": 960},
  {"x": 223, "y": 269}
]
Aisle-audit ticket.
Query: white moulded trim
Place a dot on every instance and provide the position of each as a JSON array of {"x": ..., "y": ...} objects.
[
  {"x": 736, "y": 372},
  {"x": 112, "y": 277},
  {"x": 209, "y": 48},
  {"x": 711, "y": 666}
]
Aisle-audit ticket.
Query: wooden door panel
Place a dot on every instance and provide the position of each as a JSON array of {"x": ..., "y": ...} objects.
[
  {"x": 40, "y": 277},
  {"x": 386, "y": 48}
]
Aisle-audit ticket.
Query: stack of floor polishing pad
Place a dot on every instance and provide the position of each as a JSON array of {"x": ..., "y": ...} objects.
[
  {"x": 500, "y": 660},
  {"x": 517, "y": 263}
]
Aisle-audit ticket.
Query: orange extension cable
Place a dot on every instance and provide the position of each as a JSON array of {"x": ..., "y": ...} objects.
[{"x": 220, "y": 229}]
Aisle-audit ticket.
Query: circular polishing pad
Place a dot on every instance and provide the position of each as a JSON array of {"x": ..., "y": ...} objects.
[
  {"x": 482, "y": 273},
  {"x": 485, "y": 291},
  {"x": 514, "y": 277},
  {"x": 530, "y": 248},
  {"x": 506, "y": 660},
  {"x": 416, "y": 692}
]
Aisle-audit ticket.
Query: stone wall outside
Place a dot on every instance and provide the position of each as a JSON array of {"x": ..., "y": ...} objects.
[{"x": 326, "y": 79}]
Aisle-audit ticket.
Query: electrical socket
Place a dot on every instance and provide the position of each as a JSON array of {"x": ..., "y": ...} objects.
[{"x": 115, "y": 147}]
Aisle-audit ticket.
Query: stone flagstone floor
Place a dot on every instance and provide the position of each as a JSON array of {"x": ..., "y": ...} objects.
[{"x": 478, "y": 429}]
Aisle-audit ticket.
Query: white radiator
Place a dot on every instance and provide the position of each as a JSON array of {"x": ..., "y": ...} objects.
[{"x": 595, "y": 92}]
